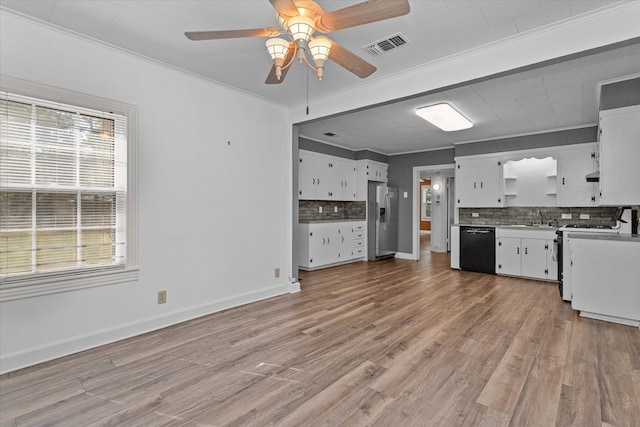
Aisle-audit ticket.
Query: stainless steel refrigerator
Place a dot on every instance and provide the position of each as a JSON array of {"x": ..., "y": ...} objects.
[{"x": 382, "y": 221}]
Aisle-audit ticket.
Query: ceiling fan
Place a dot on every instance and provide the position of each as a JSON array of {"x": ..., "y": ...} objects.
[{"x": 299, "y": 20}]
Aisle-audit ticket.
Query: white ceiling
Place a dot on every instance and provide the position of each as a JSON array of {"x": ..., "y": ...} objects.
[{"x": 558, "y": 96}]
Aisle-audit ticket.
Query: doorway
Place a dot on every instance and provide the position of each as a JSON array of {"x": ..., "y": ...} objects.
[
  {"x": 437, "y": 198},
  {"x": 425, "y": 205}
]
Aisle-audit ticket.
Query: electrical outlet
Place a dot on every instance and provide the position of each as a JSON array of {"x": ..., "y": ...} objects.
[
  {"x": 475, "y": 215},
  {"x": 276, "y": 273},
  {"x": 584, "y": 216},
  {"x": 335, "y": 209},
  {"x": 319, "y": 209},
  {"x": 162, "y": 297},
  {"x": 566, "y": 216}
]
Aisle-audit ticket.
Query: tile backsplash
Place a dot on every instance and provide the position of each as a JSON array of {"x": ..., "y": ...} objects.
[
  {"x": 309, "y": 211},
  {"x": 528, "y": 215}
]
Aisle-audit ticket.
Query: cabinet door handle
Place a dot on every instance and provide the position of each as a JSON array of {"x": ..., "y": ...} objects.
[
  {"x": 314, "y": 181},
  {"x": 526, "y": 251},
  {"x": 481, "y": 184},
  {"x": 518, "y": 251},
  {"x": 474, "y": 184},
  {"x": 323, "y": 240},
  {"x": 562, "y": 180}
]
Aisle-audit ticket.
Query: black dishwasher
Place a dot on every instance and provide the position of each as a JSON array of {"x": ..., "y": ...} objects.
[{"x": 478, "y": 249}]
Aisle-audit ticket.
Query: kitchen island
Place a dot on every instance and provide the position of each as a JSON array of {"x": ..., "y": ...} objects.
[{"x": 605, "y": 271}]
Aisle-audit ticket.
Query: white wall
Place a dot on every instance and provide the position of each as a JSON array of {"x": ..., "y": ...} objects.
[{"x": 214, "y": 219}]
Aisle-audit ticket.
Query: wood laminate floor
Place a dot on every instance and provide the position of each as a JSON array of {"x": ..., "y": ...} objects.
[{"x": 394, "y": 343}]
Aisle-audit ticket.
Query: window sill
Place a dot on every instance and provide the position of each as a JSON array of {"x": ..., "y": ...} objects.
[{"x": 64, "y": 283}]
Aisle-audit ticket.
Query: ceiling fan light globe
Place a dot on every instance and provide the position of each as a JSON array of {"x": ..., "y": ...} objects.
[
  {"x": 300, "y": 27},
  {"x": 277, "y": 48},
  {"x": 319, "y": 48}
]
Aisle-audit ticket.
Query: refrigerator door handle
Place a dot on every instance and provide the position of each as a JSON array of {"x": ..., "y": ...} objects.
[{"x": 387, "y": 205}]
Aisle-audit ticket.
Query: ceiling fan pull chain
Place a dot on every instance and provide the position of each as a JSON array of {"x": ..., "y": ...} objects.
[{"x": 307, "y": 91}]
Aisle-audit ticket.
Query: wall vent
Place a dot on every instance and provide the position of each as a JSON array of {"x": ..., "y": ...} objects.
[{"x": 386, "y": 44}]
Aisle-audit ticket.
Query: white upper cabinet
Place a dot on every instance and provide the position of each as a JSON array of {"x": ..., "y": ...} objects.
[
  {"x": 478, "y": 182},
  {"x": 369, "y": 170},
  {"x": 620, "y": 156},
  {"x": 322, "y": 177},
  {"x": 344, "y": 179},
  {"x": 574, "y": 163}
]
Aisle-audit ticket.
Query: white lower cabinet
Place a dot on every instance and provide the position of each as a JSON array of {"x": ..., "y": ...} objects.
[
  {"x": 526, "y": 256},
  {"x": 329, "y": 243}
]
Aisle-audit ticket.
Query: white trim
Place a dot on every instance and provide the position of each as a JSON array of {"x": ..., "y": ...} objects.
[
  {"x": 448, "y": 147},
  {"x": 294, "y": 287},
  {"x": 38, "y": 354},
  {"x": 80, "y": 279},
  {"x": 415, "y": 235},
  {"x": 405, "y": 255},
  {"x": 613, "y": 319}
]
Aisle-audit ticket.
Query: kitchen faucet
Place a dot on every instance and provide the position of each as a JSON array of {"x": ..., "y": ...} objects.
[{"x": 539, "y": 213}]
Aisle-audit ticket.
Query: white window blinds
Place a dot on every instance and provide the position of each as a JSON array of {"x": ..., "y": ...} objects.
[{"x": 63, "y": 186}]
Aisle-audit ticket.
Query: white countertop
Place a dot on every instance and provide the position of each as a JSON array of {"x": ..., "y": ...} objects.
[{"x": 606, "y": 236}]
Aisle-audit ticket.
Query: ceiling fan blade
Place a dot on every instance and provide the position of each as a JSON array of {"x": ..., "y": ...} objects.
[
  {"x": 272, "y": 79},
  {"x": 350, "y": 61},
  {"x": 232, "y": 34},
  {"x": 285, "y": 7},
  {"x": 362, "y": 13}
]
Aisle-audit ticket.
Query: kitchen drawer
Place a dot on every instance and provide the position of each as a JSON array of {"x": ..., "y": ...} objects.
[
  {"x": 358, "y": 235},
  {"x": 358, "y": 243},
  {"x": 359, "y": 228},
  {"x": 358, "y": 252}
]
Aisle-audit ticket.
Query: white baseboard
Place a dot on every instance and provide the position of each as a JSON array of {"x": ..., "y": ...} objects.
[
  {"x": 614, "y": 319},
  {"x": 34, "y": 355},
  {"x": 406, "y": 255},
  {"x": 294, "y": 287}
]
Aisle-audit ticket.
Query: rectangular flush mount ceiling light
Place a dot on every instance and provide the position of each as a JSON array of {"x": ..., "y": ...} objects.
[{"x": 444, "y": 116}]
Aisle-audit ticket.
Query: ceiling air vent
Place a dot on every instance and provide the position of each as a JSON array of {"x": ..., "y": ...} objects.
[{"x": 386, "y": 44}]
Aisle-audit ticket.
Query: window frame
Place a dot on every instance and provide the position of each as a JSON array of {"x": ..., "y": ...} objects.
[{"x": 39, "y": 284}]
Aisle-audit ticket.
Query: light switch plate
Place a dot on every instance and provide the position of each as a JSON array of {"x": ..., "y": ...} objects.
[
  {"x": 475, "y": 215},
  {"x": 566, "y": 216},
  {"x": 406, "y": 194},
  {"x": 584, "y": 216},
  {"x": 319, "y": 209}
]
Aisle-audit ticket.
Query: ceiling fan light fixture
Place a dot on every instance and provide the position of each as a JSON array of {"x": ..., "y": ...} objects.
[
  {"x": 301, "y": 27},
  {"x": 444, "y": 116},
  {"x": 319, "y": 48},
  {"x": 278, "y": 49}
]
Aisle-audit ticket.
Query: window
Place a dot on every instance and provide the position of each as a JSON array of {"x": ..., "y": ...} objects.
[
  {"x": 426, "y": 202},
  {"x": 64, "y": 196}
]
